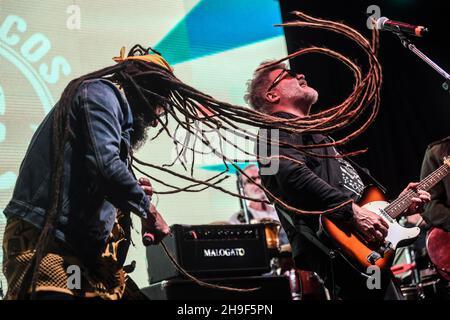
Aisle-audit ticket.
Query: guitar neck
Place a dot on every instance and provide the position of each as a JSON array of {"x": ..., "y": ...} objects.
[{"x": 397, "y": 207}]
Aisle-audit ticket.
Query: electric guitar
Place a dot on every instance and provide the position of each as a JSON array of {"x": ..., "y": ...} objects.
[
  {"x": 361, "y": 254},
  {"x": 438, "y": 247}
]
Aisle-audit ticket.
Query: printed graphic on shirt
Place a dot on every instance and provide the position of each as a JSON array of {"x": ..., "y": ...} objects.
[{"x": 352, "y": 180}]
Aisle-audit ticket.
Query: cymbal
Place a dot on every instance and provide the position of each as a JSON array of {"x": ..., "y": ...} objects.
[{"x": 231, "y": 169}]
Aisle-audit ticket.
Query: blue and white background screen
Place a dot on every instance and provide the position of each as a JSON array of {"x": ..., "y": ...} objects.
[{"x": 213, "y": 45}]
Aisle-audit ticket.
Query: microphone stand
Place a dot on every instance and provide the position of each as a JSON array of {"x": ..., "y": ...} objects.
[
  {"x": 242, "y": 201},
  {"x": 409, "y": 45}
]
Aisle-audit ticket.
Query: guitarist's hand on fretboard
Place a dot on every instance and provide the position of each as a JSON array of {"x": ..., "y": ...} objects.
[
  {"x": 370, "y": 226},
  {"x": 418, "y": 201}
]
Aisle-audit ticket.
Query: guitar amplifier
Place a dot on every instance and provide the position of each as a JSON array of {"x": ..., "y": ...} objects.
[
  {"x": 269, "y": 288},
  {"x": 210, "y": 251}
]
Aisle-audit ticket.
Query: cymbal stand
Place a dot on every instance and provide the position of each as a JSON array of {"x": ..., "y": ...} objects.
[{"x": 243, "y": 202}]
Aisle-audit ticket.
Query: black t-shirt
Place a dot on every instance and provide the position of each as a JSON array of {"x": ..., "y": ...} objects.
[{"x": 351, "y": 180}]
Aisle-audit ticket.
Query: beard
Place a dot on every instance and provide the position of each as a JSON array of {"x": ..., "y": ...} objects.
[
  {"x": 306, "y": 96},
  {"x": 140, "y": 132},
  {"x": 142, "y": 117},
  {"x": 256, "y": 193},
  {"x": 312, "y": 95}
]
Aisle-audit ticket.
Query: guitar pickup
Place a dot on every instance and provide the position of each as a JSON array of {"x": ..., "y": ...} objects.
[
  {"x": 373, "y": 257},
  {"x": 385, "y": 248}
]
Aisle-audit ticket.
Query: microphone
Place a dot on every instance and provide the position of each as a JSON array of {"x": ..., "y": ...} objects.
[
  {"x": 148, "y": 239},
  {"x": 384, "y": 24}
]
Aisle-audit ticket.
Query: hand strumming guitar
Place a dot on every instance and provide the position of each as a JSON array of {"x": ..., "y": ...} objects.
[{"x": 371, "y": 226}]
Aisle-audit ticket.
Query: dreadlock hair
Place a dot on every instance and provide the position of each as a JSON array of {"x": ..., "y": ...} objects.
[
  {"x": 257, "y": 86},
  {"x": 148, "y": 85},
  {"x": 124, "y": 74}
]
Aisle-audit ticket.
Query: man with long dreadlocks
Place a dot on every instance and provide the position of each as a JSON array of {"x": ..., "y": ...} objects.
[
  {"x": 313, "y": 181},
  {"x": 76, "y": 171},
  {"x": 75, "y": 191}
]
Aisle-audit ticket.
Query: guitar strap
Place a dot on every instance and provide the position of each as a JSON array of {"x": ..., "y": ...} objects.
[
  {"x": 368, "y": 177},
  {"x": 330, "y": 253},
  {"x": 362, "y": 171},
  {"x": 299, "y": 228}
]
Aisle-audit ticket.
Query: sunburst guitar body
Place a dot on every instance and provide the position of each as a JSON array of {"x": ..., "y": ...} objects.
[{"x": 362, "y": 254}]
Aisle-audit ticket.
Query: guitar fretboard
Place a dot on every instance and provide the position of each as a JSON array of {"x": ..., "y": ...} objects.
[{"x": 398, "y": 206}]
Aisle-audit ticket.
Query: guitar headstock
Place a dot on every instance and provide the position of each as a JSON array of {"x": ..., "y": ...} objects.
[{"x": 447, "y": 160}]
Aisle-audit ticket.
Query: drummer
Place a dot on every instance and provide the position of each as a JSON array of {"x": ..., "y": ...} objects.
[{"x": 259, "y": 212}]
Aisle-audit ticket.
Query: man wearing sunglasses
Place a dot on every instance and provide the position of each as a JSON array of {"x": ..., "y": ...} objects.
[{"x": 314, "y": 183}]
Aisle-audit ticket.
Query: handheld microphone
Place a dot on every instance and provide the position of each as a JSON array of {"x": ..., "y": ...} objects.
[
  {"x": 384, "y": 24},
  {"x": 148, "y": 239}
]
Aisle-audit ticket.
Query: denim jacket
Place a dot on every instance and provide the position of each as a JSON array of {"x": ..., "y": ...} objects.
[{"x": 97, "y": 179}]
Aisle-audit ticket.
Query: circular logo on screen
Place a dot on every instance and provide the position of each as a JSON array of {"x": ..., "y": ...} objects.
[{"x": 29, "y": 70}]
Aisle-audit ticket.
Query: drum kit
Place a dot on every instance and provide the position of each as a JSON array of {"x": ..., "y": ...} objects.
[
  {"x": 419, "y": 281},
  {"x": 304, "y": 285},
  {"x": 426, "y": 273}
]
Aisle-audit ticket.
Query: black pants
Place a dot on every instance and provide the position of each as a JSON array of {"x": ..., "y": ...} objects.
[
  {"x": 348, "y": 284},
  {"x": 49, "y": 295},
  {"x": 343, "y": 281}
]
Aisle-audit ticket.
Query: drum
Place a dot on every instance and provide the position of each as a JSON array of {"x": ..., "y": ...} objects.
[
  {"x": 285, "y": 260},
  {"x": 305, "y": 285},
  {"x": 312, "y": 287},
  {"x": 429, "y": 290},
  {"x": 410, "y": 292},
  {"x": 272, "y": 230},
  {"x": 431, "y": 287}
]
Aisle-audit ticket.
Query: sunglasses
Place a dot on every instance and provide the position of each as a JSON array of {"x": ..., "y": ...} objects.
[{"x": 280, "y": 76}]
